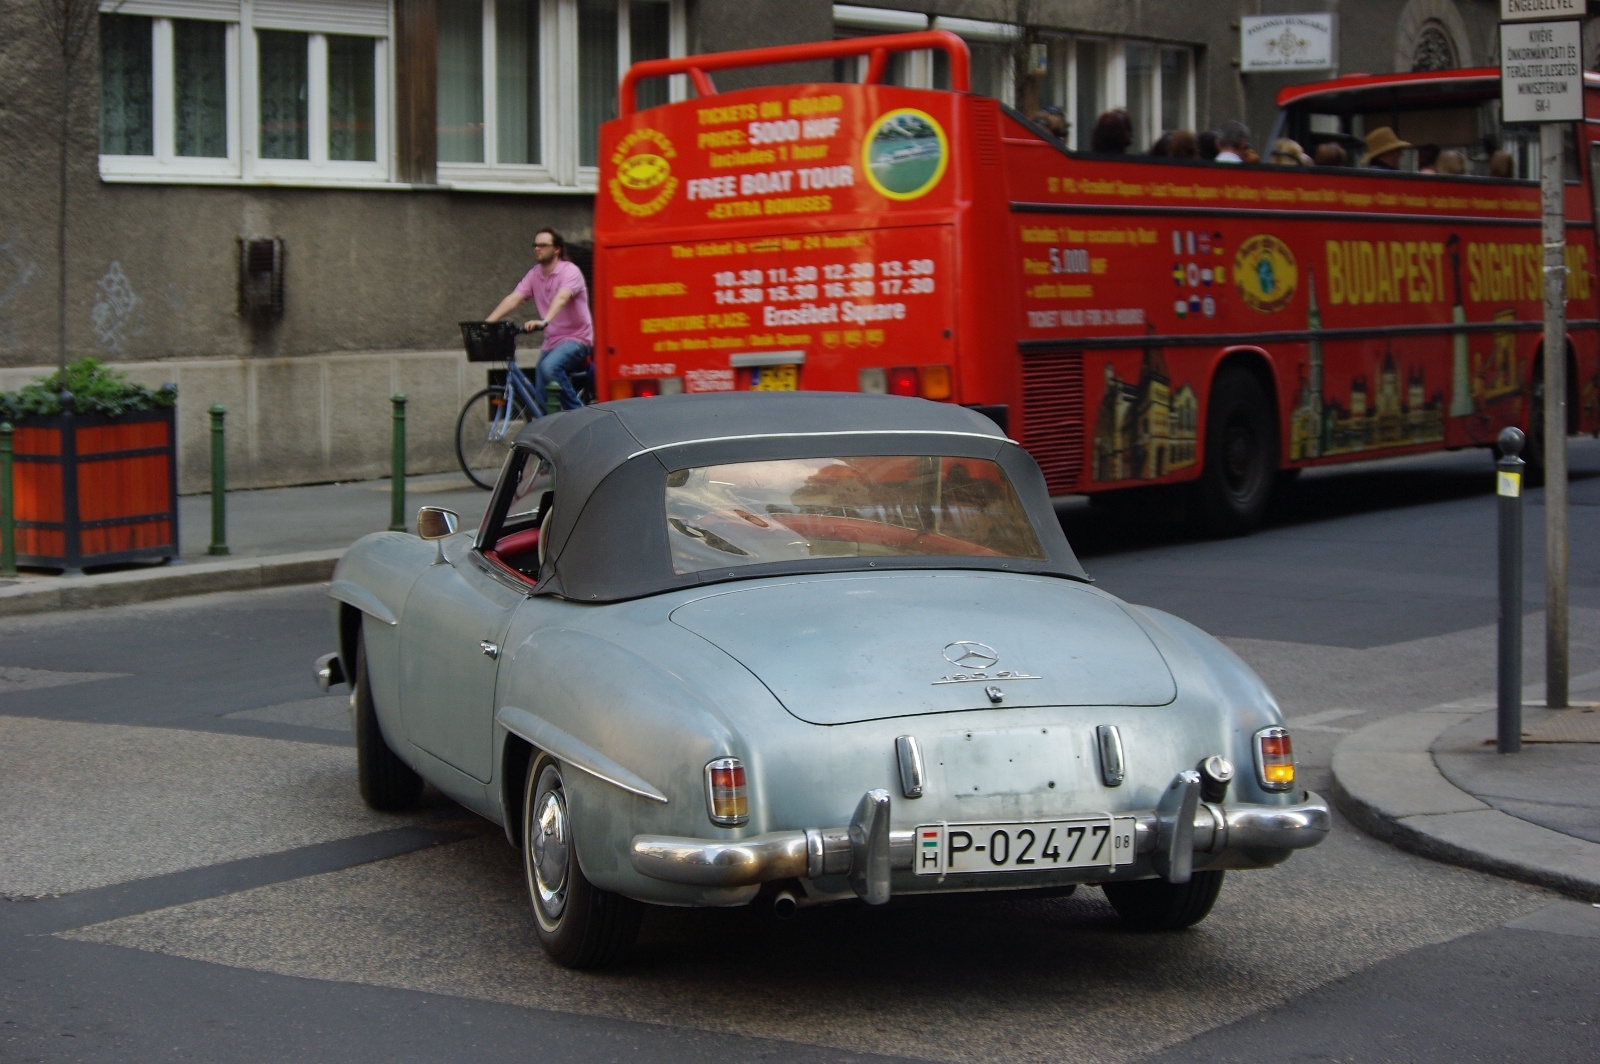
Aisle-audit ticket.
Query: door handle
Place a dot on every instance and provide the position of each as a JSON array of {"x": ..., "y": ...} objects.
[{"x": 489, "y": 649}]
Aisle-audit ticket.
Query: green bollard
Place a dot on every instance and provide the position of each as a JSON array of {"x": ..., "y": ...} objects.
[
  {"x": 8, "y": 515},
  {"x": 219, "y": 483},
  {"x": 552, "y": 398},
  {"x": 397, "y": 483}
]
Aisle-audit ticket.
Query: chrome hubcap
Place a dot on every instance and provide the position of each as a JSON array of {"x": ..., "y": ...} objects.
[{"x": 551, "y": 850}]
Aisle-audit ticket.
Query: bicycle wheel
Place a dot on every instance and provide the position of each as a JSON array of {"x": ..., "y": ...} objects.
[{"x": 481, "y": 445}]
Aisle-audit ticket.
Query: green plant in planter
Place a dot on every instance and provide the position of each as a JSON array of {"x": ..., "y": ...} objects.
[{"x": 96, "y": 389}]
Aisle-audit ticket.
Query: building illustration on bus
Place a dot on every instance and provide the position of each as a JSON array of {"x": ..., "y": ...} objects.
[{"x": 1133, "y": 321}]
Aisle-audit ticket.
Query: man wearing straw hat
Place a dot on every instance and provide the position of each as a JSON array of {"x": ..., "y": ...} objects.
[{"x": 1383, "y": 149}]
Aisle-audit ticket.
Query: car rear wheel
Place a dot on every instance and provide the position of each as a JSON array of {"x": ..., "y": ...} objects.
[
  {"x": 1241, "y": 456},
  {"x": 387, "y": 783},
  {"x": 579, "y": 925},
  {"x": 1156, "y": 905}
]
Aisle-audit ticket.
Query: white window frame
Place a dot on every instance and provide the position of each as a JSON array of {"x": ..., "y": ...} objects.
[
  {"x": 319, "y": 169},
  {"x": 558, "y": 102},
  {"x": 166, "y": 162},
  {"x": 977, "y": 32},
  {"x": 1114, "y": 84},
  {"x": 243, "y": 165}
]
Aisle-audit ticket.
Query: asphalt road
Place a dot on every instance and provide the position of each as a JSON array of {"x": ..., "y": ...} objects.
[{"x": 188, "y": 873}]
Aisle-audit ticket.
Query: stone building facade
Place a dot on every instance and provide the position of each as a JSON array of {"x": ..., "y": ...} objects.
[{"x": 396, "y": 156}]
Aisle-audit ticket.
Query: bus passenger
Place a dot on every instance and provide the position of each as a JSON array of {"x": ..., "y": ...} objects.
[
  {"x": 1383, "y": 149},
  {"x": 1206, "y": 144},
  {"x": 1183, "y": 145},
  {"x": 1451, "y": 162},
  {"x": 1286, "y": 152},
  {"x": 1502, "y": 164},
  {"x": 1330, "y": 153},
  {"x": 1113, "y": 132},
  {"x": 1233, "y": 140},
  {"x": 1427, "y": 158}
]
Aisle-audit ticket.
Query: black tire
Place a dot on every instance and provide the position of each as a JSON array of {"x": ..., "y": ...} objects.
[
  {"x": 480, "y": 455},
  {"x": 388, "y": 784},
  {"x": 1235, "y": 486},
  {"x": 1156, "y": 905},
  {"x": 579, "y": 925}
]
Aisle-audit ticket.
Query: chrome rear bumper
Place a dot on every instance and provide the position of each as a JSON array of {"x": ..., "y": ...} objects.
[{"x": 867, "y": 851}]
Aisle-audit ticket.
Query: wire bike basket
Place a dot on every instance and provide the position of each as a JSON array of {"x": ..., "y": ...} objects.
[{"x": 490, "y": 341}]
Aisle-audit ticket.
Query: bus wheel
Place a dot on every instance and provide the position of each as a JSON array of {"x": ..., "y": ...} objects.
[{"x": 1235, "y": 486}]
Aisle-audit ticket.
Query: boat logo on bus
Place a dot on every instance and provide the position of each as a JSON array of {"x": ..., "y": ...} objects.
[
  {"x": 643, "y": 181},
  {"x": 1264, "y": 271},
  {"x": 905, "y": 153}
]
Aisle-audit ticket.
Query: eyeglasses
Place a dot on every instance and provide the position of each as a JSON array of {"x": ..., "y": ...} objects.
[{"x": 544, "y": 245}]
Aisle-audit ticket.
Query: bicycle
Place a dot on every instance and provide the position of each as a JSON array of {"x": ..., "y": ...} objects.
[{"x": 491, "y": 418}]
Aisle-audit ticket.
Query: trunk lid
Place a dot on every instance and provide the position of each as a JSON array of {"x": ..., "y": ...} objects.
[{"x": 839, "y": 650}]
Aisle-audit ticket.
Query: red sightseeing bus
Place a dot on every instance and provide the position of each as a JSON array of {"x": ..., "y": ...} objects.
[{"x": 1133, "y": 321}]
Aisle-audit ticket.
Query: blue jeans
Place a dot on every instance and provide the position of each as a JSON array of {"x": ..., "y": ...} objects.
[{"x": 558, "y": 364}]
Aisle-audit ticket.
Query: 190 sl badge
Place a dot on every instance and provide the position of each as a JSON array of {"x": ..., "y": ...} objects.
[{"x": 979, "y": 657}]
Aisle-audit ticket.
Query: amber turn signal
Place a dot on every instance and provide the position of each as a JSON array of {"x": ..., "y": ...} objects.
[
  {"x": 726, "y": 798},
  {"x": 1275, "y": 759}
]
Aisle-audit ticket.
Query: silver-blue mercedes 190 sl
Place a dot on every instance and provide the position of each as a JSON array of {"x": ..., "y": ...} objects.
[{"x": 800, "y": 648}]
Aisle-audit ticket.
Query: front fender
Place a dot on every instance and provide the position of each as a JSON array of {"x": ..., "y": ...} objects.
[{"x": 374, "y": 578}]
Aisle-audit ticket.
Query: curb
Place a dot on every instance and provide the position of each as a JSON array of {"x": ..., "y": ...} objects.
[
  {"x": 148, "y": 585},
  {"x": 1385, "y": 781}
]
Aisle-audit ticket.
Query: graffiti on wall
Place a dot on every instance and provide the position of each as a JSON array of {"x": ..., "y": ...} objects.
[{"x": 118, "y": 311}]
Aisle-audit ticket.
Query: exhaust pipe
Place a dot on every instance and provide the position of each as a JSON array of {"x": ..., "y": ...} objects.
[{"x": 785, "y": 905}]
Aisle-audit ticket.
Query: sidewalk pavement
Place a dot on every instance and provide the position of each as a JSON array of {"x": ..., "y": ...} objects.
[
  {"x": 276, "y": 536},
  {"x": 1433, "y": 782}
]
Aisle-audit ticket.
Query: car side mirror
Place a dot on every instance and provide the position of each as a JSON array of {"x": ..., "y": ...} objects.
[{"x": 435, "y": 522}]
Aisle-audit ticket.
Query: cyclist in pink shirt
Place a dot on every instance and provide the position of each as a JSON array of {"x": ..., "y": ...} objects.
[{"x": 557, "y": 290}]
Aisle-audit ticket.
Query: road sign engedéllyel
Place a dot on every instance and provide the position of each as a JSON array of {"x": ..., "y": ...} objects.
[{"x": 1523, "y": 10}]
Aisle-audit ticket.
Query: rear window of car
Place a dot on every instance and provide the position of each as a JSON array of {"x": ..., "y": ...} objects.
[{"x": 870, "y": 506}]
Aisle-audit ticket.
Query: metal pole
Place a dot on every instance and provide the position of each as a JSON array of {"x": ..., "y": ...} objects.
[
  {"x": 397, "y": 482},
  {"x": 1553, "y": 195},
  {"x": 8, "y": 513},
  {"x": 219, "y": 483},
  {"x": 1508, "y": 479}
]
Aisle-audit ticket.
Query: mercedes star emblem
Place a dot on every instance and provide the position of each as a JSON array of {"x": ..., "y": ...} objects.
[{"x": 969, "y": 655}]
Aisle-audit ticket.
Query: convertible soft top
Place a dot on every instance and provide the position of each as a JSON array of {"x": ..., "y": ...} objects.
[{"x": 607, "y": 538}]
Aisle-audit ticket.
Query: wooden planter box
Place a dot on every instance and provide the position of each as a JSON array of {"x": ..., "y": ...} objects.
[{"x": 92, "y": 490}]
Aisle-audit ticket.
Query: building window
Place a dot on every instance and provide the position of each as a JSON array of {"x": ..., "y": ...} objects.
[
  {"x": 1433, "y": 50},
  {"x": 168, "y": 90},
  {"x": 317, "y": 110},
  {"x": 513, "y": 107},
  {"x": 292, "y": 90},
  {"x": 1085, "y": 76}
]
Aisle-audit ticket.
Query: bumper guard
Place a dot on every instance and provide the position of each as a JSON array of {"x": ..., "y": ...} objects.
[{"x": 867, "y": 851}]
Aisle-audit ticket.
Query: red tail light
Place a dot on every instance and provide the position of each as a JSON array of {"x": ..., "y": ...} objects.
[
  {"x": 726, "y": 798},
  {"x": 644, "y": 388},
  {"x": 903, "y": 381}
]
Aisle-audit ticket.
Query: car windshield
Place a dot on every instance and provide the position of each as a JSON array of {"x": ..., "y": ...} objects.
[{"x": 869, "y": 506}]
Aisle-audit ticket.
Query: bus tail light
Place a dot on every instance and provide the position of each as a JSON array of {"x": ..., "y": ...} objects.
[
  {"x": 646, "y": 386},
  {"x": 1275, "y": 759},
  {"x": 903, "y": 380},
  {"x": 936, "y": 382},
  {"x": 873, "y": 381},
  {"x": 726, "y": 798}
]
